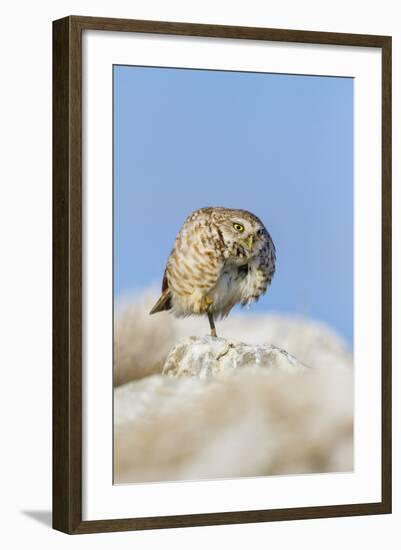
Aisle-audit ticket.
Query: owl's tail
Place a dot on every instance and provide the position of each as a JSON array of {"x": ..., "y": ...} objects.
[{"x": 163, "y": 303}]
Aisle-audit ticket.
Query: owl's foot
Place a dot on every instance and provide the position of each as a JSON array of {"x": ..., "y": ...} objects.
[
  {"x": 201, "y": 304},
  {"x": 205, "y": 304}
]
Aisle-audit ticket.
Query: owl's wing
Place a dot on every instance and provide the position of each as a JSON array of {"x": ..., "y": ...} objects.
[
  {"x": 260, "y": 274},
  {"x": 164, "y": 302}
]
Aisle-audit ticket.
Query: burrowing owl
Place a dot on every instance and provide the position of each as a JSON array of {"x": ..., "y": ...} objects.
[{"x": 221, "y": 257}]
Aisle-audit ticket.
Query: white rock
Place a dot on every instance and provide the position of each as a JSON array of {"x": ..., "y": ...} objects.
[
  {"x": 136, "y": 353},
  {"x": 208, "y": 357},
  {"x": 255, "y": 422}
]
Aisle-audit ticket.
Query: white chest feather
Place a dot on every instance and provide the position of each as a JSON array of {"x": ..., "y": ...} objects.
[{"x": 233, "y": 286}]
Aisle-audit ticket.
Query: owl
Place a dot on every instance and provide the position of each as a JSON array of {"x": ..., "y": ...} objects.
[{"x": 221, "y": 257}]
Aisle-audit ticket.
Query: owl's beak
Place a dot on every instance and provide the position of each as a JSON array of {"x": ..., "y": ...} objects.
[{"x": 249, "y": 242}]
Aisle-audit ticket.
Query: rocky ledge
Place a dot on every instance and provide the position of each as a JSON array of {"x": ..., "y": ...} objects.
[{"x": 209, "y": 357}]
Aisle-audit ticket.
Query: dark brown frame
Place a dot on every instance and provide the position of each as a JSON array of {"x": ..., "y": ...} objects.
[{"x": 67, "y": 274}]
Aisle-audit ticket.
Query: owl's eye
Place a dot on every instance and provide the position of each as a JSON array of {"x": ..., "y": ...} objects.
[{"x": 238, "y": 227}]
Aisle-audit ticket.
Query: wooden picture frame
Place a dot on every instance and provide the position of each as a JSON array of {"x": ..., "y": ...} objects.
[{"x": 67, "y": 273}]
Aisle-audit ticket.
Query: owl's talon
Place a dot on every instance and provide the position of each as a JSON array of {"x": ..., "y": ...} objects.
[{"x": 206, "y": 302}]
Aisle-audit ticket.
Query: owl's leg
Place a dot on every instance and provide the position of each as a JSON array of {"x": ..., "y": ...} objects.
[{"x": 212, "y": 325}]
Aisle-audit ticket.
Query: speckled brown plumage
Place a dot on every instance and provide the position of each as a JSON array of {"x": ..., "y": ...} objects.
[{"x": 221, "y": 257}]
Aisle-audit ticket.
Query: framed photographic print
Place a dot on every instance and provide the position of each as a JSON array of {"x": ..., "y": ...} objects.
[{"x": 221, "y": 274}]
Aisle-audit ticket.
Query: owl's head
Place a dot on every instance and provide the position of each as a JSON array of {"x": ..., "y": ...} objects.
[{"x": 244, "y": 234}]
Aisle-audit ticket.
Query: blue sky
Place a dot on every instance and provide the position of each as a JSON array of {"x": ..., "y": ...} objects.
[{"x": 280, "y": 146}]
